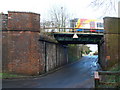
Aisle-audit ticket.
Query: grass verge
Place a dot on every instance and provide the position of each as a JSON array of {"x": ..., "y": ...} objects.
[{"x": 9, "y": 76}]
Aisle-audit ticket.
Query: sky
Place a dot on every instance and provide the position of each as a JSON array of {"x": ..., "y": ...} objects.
[
  {"x": 76, "y": 8},
  {"x": 93, "y": 47}
]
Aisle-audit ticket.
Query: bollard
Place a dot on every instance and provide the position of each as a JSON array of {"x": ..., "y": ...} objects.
[{"x": 97, "y": 79}]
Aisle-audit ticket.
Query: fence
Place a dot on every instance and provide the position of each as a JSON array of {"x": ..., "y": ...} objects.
[
  {"x": 63, "y": 29},
  {"x": 101, "y": 77}
]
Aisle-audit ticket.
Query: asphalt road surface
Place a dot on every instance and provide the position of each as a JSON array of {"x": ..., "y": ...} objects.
[{"x": 76, "y": 75}]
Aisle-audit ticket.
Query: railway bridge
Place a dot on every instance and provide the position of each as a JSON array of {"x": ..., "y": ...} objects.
[
  {"x": 82, "y": 38},
  {"x": 79, "y": 38},
  {"x": 107, "y": 40},
  {"x": 26, "y": 52}
]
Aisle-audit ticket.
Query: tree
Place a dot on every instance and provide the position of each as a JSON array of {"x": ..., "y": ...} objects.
[
  {"x": 109, "y": 6},
  {"x": 85, "y": 49},
  {"x": 59, "y": 16}
]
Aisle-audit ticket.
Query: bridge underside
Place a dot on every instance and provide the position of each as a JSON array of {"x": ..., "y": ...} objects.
[{"x": 82, "y": 38}]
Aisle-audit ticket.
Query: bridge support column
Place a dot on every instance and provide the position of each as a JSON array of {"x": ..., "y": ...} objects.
[
  {"x": 101, "y": 52},
  {"x": 112, "y": 35}
]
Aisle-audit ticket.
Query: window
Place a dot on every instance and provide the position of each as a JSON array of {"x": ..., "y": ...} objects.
[
  {"x": 100, "y": 25},
  {"x": 92, "y": 24}
]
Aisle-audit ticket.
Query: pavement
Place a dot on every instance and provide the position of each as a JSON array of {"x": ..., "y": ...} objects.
[{"x": 77, "y": 75}]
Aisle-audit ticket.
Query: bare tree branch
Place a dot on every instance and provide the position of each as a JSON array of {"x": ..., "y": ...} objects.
[
  {"x": 108, "y": 6},
  {"x": 59, "y": 16}
]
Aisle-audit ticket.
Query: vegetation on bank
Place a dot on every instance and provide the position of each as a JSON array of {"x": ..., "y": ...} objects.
[
  {"x": 75, "y": 51},
  {"x": 111, "y": 78}
]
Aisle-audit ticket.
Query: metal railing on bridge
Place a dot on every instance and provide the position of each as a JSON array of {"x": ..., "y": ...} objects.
[{"x": 72, "y": 30}]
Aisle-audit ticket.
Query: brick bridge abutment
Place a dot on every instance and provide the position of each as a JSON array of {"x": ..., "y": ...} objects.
[
  {"x": 109, "y": 49},
  {"x": 22, "y": 50}
]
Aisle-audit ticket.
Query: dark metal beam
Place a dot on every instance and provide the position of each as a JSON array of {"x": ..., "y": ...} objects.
[{"x": 82, "y": 38}]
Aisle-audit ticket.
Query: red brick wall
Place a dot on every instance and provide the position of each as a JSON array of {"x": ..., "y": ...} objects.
[
  {"x": 23, "y": 21},
  {"x": 21, "y": 53}
]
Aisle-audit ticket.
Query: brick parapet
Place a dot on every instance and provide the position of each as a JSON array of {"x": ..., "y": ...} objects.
[{"x": 23, "y": 21}]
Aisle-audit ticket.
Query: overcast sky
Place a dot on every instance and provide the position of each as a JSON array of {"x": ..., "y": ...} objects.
[{"x": 77, "y": 8}]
